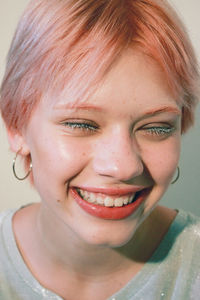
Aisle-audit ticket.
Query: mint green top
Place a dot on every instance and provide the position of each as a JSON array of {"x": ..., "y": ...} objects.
[{"x": 172, "y": 273}]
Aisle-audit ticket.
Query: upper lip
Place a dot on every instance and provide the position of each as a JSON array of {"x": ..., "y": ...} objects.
[{"x": 113, "y": 191}]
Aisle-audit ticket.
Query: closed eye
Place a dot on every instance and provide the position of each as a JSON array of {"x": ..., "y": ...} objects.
[
  {"x": 160, "y": 130},
  {"x": 157, "y": 131},
  {"x": 82, "y": 127}
]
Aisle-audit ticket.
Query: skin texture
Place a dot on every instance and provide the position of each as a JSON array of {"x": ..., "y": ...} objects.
[{"x": 115, "y": 150}]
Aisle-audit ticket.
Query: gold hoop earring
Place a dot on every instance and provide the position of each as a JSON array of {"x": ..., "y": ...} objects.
[
  {"x": 177, "y": 177},
  {"x": 14, "y": 171}
]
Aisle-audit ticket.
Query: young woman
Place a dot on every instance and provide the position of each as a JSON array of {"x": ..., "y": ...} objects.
[{"x": 95, "y": 97}]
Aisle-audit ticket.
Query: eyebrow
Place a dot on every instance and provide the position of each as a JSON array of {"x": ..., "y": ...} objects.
[
  {"x": 152, "y": 112},
  {"x": 169, "y": 109},
  {"x": 80, "y": 106}
]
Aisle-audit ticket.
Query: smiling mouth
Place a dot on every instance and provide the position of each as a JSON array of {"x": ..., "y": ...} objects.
[
  {"x": 109, "y": 207},
  {"x": 105, "y": 200}
]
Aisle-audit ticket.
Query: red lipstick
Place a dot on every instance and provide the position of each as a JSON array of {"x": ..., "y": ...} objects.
[{"x": 111, "y": 213}]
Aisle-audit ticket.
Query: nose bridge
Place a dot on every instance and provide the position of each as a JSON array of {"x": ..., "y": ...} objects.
[{"x": 117, "y": 156}]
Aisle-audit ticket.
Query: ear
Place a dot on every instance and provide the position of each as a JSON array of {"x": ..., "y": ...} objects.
[{"x": 17, "y": 142}]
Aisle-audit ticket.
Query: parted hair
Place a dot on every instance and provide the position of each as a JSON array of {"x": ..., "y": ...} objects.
[{"x": 69, "y": 45}]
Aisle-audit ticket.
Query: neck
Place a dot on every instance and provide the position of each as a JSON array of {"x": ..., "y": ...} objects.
[
  {"x": 62, "y": 246},
  {"x": 57, "y": 245},
  {"x": 62, "y": 262}
]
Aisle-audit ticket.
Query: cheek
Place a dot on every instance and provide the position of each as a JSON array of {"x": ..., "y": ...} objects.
[
  {"x": 161, "y": 160},
  {"x": 57, "y": 161}
]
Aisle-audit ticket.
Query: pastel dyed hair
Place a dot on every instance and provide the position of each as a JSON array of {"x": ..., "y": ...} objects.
[{"x": 69, "y": 45}]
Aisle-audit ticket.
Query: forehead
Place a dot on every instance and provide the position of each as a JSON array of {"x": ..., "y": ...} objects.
[{"x": 134, "y": 76}]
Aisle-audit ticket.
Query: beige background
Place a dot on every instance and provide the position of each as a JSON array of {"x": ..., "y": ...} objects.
[{"x": 184, "y": 194}]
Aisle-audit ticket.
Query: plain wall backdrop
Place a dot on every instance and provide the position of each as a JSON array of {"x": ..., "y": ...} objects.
[{"x": 185, "y": 194}]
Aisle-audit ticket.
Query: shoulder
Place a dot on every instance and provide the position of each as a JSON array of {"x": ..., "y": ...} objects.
[
  {"x": 189, "y": 240},
  {"x": 5, "y": 229},
  {"x": 184, "y": 232},
  {"x": 6, "y": 234},
  {"x": 9, "y": 213},
  {"x": 188, "y": 223},
  {"x": 5, "y": 237},
  {"x": 177, "y": 259},
  {"x": 6, "y": 214},
  {"x": 187, "y": 254},
  {"x": 183, "y": 242}
]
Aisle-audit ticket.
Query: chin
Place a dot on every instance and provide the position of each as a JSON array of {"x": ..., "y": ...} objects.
[{"x": 111, "y": 234}]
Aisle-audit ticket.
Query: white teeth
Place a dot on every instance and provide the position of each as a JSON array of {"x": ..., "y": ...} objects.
[
  {"x": 108, "y": 201},
  {"x": 85, "y": 194},
  {"x": 91, "y": 198},
  {"x": 130, "y": 198},
  {"x": 126, "y": 200},
  {"x": 119, "y": 202},
  {"x": 100, "y": 200}
]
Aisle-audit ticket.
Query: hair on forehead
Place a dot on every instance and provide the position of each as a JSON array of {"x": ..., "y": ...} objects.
[{"x": 69, "y": 45}]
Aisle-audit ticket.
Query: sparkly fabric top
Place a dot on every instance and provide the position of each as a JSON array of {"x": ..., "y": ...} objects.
[{"x": 173, "y": 272}]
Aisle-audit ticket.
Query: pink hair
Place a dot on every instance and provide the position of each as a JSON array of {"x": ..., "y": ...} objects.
[{"x": 70, "y": 45}]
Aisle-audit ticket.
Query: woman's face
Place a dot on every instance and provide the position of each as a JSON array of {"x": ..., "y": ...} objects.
[{"x": 91, "y": 159}]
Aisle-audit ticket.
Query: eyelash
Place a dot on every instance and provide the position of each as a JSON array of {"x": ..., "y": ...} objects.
[
  {"x": 159, "y": 131},
  {"x": 81, "y": 126}
]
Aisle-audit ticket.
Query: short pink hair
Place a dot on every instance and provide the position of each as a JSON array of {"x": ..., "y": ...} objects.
[{"x": 70, "y": 45}]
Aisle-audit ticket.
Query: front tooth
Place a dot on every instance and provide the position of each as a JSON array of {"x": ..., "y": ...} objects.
[
  {"x": 109, "y": 202},
  {"x": 118, "y": 202},
  {"x": 100, "y": 200}
]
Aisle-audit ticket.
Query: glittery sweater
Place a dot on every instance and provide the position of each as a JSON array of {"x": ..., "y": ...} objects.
[{"x": 172, "y": 273}]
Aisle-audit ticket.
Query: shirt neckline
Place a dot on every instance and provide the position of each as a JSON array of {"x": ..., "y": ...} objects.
[
  {"x": 137, "y": 282},
  {"x": 18, "y": 262}
]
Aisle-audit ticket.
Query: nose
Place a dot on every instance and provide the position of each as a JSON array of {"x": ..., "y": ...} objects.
[{"x": 117, "y": 155}]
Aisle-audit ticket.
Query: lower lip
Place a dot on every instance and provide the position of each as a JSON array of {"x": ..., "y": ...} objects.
[{"x": 110, "y": 213}]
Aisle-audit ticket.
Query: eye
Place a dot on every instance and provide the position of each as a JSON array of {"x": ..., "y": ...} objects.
[
  {"x": 81, "y": 127},
  {"x": 160, "y": 130},
  {"x": 157, "y": 131}
]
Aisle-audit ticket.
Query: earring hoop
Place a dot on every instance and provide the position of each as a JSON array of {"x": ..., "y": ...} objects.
[
  {"x": 177, "y": 176},
  {"x": 14, "y": 170}
]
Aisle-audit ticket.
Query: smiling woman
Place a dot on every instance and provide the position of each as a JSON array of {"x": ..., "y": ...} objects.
[{"x": 95, "y": 97}]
